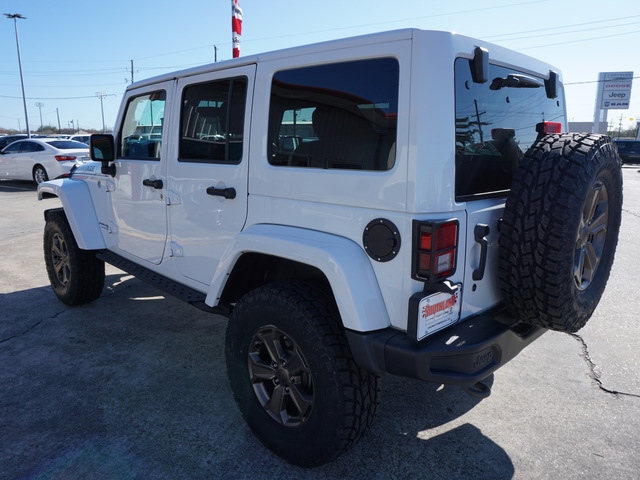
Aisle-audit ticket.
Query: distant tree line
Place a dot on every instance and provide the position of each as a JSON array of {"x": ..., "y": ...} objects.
[{"x": 50, "y": 130}]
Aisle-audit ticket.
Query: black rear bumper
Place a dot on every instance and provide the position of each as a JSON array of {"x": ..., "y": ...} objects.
[{"x": 462, "y": 354}]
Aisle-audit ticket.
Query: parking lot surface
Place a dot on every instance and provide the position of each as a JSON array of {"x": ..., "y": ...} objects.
[{"x": 134, "y": 386}]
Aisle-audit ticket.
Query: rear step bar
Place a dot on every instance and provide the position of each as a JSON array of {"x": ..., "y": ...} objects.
[{"x": 178, "y": 290}]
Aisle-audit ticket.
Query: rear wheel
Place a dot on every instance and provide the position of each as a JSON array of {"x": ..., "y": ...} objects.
[
  {"x": 76, "y": 275},
  {"x": 293, "y": 376},
  {"x": 560, "y": 230},
  {"x": 40, "y": 174}
]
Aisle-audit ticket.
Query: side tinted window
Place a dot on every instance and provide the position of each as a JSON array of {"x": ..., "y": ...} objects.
[
  {"x": 340, "y": 115},
  {"x": 212, "y": 121},
  {"x": 495, "y": 125},
  {"x": 16, "y": 147},
  {"x": 141, "y": 132}
]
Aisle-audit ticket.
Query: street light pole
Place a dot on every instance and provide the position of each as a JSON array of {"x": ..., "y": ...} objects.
[{"x": 15, "y": 17}]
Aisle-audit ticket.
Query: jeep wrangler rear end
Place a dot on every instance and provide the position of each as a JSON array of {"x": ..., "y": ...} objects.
[{"x": 396, "y": 203}]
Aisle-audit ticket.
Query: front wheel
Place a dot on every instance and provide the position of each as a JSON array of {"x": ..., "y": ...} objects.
[
  {"x": 76, "y": 275},
  {"x": 293, "y": 375}
]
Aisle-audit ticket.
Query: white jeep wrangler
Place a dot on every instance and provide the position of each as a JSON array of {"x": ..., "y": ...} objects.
[{"x": 402, "y": 202}]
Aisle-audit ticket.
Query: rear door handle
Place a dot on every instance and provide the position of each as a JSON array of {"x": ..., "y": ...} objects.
[
  {"x": 480, "y": 233},
  {"x": 157, "y": 184},
  {"x": 228, "y": 193}
]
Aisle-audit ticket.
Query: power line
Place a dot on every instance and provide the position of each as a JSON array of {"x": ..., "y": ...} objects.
[
  {"x": 570, "y": 32},
  {"x": 564, "y": 26},
  {"x": 581, "y": 40},
  {"x": 59, "y": 98},
  {"x": 591, "y": 81}
]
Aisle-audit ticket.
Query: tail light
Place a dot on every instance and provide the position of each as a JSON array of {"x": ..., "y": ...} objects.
[
  {"x": 65, "y": 158},
  {"x": 435, "y": 247},
  {"x": 547, "y": 128}
]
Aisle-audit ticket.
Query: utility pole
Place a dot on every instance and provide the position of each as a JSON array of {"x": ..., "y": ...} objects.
[
  {"x": 131, "y": 82},
  {"x": 478, "y": 122},
  {"x": 215, "y": 53},
  {"x": 58, "y": 114},
  {"x": 40, "y": 105},
  {"x": 15, "y": 17},
  {"x": 101, "y": 96}
]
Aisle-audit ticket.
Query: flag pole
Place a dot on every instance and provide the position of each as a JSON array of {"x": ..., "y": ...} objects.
[{"x": 236, "y": 27}]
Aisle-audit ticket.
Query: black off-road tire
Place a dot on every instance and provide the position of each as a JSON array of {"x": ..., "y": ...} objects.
[
  {"x": 560, "y": 230},
  {"x": 76, "y": 275},
  {"x": 293, "y": 375}
]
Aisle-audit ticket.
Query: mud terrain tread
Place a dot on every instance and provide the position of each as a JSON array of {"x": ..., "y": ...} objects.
[
  {"x": 539, "y": 226},
  {"x": 360, "y": 388},
  {"x": 87, "y": 272}
]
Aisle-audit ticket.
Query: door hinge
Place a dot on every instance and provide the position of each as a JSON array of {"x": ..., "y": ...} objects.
[
  {"x": 176, "y": 250},
  {"x": 173, "y": 198}
]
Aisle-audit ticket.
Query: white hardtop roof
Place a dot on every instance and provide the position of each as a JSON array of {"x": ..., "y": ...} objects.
[
  {"x": 439, "y": 38},
  {"x": 382, "y": 37}
]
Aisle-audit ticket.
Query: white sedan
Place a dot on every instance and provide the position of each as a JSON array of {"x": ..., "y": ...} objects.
[{"x": 41, "y": 159}]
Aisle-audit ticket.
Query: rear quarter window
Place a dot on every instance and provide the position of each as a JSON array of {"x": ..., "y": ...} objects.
[
  {"x": 335, "y": 116},
  {"x": 495, "y": 125}
]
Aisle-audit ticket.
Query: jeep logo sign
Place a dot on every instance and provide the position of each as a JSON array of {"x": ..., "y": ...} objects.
[{"x": 615, "y": 90}]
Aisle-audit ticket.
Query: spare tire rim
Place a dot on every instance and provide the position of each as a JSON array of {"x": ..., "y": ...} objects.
[
  {"x": 280, "y": 377},
  {"x": 60, "y": 259},
  {"x": 590, "y": 241}
]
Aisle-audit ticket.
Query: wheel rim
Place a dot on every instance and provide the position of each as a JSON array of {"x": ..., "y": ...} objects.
[
  {"x": 281, "y": 377},
  {"x": 60, "y": 259},
  {"x": 39, "y": 175},
  {"x": 591, "y": 236}
]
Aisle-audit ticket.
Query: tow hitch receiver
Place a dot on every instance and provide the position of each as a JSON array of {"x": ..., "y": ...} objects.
[{"x": 477, "y": 390}]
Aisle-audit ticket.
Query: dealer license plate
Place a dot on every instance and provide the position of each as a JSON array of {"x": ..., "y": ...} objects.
[{"x": 437, "y": 311}]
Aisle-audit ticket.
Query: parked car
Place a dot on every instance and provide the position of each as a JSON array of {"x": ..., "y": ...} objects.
[
  {"x": 41, "y": 159},
  {"x": 83, "y": 138},
  {"x": 9, "y": 139},
  {"x": 629, "y": 150}
]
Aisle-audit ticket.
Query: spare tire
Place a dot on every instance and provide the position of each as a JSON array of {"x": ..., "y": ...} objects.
[{"x": 560, "y": 229}]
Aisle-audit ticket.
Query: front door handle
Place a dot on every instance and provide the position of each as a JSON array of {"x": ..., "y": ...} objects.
[
  {"x": 157, "y": 184},
  {"x": 228, "y": 193}
]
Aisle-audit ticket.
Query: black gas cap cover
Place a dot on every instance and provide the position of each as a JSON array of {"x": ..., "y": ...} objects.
[{"x": 381, "y": 240}]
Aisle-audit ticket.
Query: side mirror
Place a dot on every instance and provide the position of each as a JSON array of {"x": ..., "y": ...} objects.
[{"x": 102, "y": 150}]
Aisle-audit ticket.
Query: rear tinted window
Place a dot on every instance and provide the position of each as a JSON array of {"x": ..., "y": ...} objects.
[
  {"x": 626, "y": 147},
  {"x": 340, "y": 115},
  {"x": 68, "y": 145},
  {"x": 495, "y": 125}
]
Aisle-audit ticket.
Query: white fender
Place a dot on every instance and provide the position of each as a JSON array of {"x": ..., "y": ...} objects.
[
  {"x": 344, "y": 263},
  {"x": 81, "y": 214}
]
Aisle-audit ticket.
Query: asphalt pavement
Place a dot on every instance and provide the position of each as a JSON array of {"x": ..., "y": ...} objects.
[{"x": 134, "y": 386}]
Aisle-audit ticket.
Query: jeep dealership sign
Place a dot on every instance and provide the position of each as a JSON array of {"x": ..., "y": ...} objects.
[{"x": 615, "y": 89}]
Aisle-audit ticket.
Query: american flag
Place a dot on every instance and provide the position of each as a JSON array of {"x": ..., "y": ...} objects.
[{"x": 236, "y": 27}]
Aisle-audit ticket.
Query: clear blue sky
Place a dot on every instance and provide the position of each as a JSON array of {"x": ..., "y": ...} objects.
[{"x": 75, "y": 49}]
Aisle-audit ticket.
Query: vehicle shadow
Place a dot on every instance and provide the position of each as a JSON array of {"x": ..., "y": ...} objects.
[
  {"x": 134, "y": 385},
  {"x": 17, "y": 186}
]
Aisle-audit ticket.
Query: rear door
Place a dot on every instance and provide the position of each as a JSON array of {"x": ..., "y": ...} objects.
[
  {"x": 495, "y": 125},
  {"x": 138, "y": 200},
  {"x": 207, "y": 184}
]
